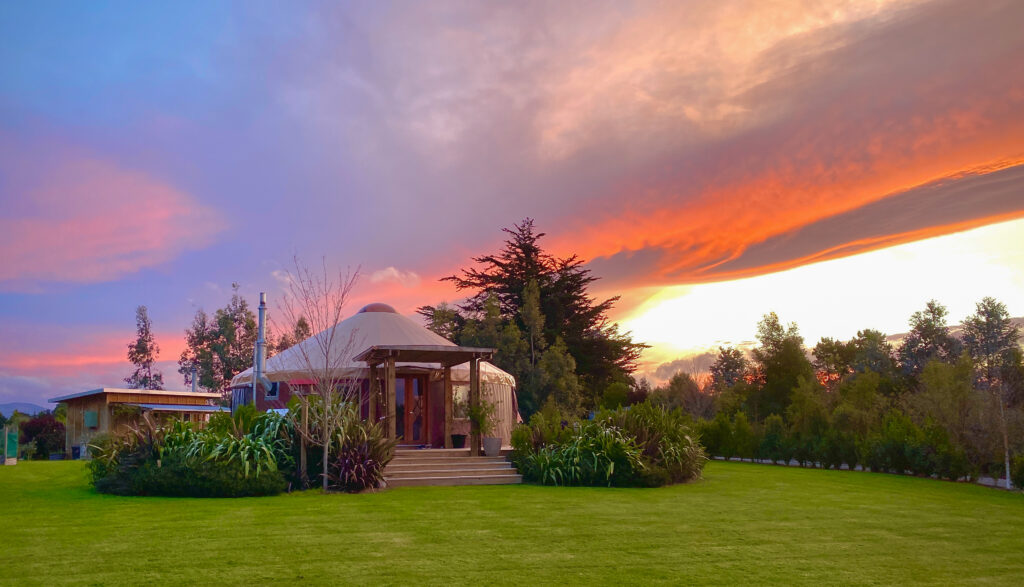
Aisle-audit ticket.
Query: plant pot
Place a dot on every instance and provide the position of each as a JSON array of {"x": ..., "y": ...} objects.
[
  {"x": 492, "y": 446},
  {"x": 458, "y": 441}
]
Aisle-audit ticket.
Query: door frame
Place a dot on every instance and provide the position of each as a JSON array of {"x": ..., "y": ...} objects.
[{"x": 407, "y": 420}]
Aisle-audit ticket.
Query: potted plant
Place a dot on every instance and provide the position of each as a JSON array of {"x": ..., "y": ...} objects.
[{"x": 483, "y": 417}]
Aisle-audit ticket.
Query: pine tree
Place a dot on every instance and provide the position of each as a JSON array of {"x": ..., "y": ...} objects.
[
  {"x": 522, "y": 275},
  {"x": 143, "y": 353}
]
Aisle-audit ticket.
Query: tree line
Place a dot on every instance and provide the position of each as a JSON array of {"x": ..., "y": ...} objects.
[
  {"x": 217, "y": 346},
  {"x": 939, "y": 403}
]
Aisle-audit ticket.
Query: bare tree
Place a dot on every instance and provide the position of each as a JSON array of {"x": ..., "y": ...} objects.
[{"x": 318, "y": 298}]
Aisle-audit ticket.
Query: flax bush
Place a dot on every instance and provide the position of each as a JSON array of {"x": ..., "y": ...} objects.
[
  {"x": 231, "y": 457},
  {"x": 642, "y": 445}
]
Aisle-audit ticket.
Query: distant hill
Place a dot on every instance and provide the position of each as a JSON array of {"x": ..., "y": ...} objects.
[{"x": 23, "y": 407}]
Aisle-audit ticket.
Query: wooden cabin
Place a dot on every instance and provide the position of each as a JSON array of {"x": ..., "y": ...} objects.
[{"x": 111, "y": 410}]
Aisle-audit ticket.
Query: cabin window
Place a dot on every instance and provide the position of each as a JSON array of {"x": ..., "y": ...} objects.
[
  {"x": 272, "y": 392},
  {"x": 92, "y": 419}
]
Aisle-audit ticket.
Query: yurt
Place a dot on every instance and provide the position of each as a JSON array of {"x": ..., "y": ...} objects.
[{"x": 420, "y": 402}]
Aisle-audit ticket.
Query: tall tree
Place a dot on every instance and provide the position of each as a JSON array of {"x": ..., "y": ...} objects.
[
  {"x": 219, "y": 347},
  {"x": 832, "y": 360},
  {"x": 558, "y": 371},
  {"x": 993, "y": 341},
  {"x": 729, "y": 368},
  {"x": 781, "y": 364},
  {"x": 143, "y": 353},
  {"x": 444, "y": 320},
  {"x": 928, "y": 339},
  {"x": 533, "y": 319},
  {"x": 683, "y": 391},
  {"x": 300, "y": 331},
  {"x": 600, "y": 352}
]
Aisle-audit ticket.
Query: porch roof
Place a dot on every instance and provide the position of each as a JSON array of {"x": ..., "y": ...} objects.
[
  {"x": 181, "y": 408},
  {"x": 416, "y": 353}
]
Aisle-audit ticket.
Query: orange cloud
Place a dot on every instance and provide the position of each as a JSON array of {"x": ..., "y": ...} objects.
[{"x": 830, "y": 126}]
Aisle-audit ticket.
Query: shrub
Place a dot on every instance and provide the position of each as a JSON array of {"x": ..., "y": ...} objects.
[
  {"x": 666, "y": 441},
  {"x": 717, "y": 436},
  {"x": 744, "y": 441},
  {"x": 235, "y": 457},
  {"x": 642, "y": 445},
  {"x": 773, "y": 445},
  {"x": 615, "y": 396},
  {"x": 361, "y": 452},
  {"x": 46, "y": 433},
  {"x": 1017, "y": 471},
  {"x": 596, "y": 454}
]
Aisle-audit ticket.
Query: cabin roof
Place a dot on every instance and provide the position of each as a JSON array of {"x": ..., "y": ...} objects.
[{"x": 149, "y": 392}]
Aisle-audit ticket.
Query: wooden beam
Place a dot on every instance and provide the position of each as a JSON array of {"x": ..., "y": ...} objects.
[
  {"x": 389, "y": 397},
  {"x": 447, "y": 406},
  {"x": 474, "y": 402},
  {"x": 374, "y": 394}
]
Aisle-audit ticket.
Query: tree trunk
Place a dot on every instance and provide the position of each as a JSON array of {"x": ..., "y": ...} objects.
[
  {"x": 327, "y": 444},
  {"x": 303, "y": 474},
  {"x": 1006, "y": 443}
]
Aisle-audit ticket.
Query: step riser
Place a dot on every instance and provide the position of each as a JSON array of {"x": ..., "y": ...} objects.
[
  {"x": 448, "y": 481},
  {"x": 446, "y": 462},
  {"x": 485, "y": 467},
  {"x": 497, "y": 468},
  {"x": 450, "y": 473}
]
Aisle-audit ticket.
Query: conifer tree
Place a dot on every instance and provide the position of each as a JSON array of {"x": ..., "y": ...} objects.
[{"x": 143, "y": 353}]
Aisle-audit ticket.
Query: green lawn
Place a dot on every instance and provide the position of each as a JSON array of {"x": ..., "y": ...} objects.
[{"x": 742, "y": 524}]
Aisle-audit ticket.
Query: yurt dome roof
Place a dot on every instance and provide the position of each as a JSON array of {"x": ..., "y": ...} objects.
[{"x": 375, "y": 324}]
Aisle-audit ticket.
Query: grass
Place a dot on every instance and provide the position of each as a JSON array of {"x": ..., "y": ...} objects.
[{"x": 742, "y": 524}]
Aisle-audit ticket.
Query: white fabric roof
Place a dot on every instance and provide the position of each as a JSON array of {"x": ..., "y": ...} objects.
[{"x": 376, "y": 324}]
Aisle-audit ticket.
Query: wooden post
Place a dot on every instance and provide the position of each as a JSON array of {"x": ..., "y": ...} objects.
[
  {"x": 389, "y": 396},
  {"x": 447, "y": 406},
  {"x": 374, "y": 393},
  {"x": 474, "y": 402},
  {"x": 302, "y": 443}
]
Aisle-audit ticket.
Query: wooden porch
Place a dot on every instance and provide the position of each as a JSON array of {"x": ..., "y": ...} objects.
[{"x": 382, "y": 361}]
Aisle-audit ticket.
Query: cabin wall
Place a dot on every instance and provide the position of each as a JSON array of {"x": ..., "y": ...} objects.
[{"x": 76, "y": 432}]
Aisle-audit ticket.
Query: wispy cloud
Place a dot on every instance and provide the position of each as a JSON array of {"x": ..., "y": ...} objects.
[{"x": 406, "y": 278}]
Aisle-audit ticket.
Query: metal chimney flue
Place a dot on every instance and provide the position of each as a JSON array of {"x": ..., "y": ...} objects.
[{"x": 259, "y": 366}]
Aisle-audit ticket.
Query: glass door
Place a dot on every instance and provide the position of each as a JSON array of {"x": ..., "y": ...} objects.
[{"x": 411, "y": 409}]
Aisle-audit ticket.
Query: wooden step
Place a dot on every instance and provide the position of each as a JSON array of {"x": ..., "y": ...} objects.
[
  {"x": 447, "y": 466},
  {"x": 460, "y": 472},
  {"x": 460, "y": 480},
  {"x": 434, "y": 452},
  {"x": 445, "y": 460}
]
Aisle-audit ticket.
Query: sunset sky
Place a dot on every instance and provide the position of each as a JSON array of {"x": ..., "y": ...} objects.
[{"x": 840, "y": 163}]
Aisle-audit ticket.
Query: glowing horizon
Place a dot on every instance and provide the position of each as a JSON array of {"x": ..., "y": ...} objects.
[{"x": 878, "y": 290}]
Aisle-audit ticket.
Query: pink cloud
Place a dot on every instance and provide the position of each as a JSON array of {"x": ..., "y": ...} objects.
[{"x": 78, "y": 218}]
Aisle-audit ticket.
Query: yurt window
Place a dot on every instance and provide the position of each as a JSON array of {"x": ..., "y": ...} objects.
[{"x": 460, "y": 397}]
